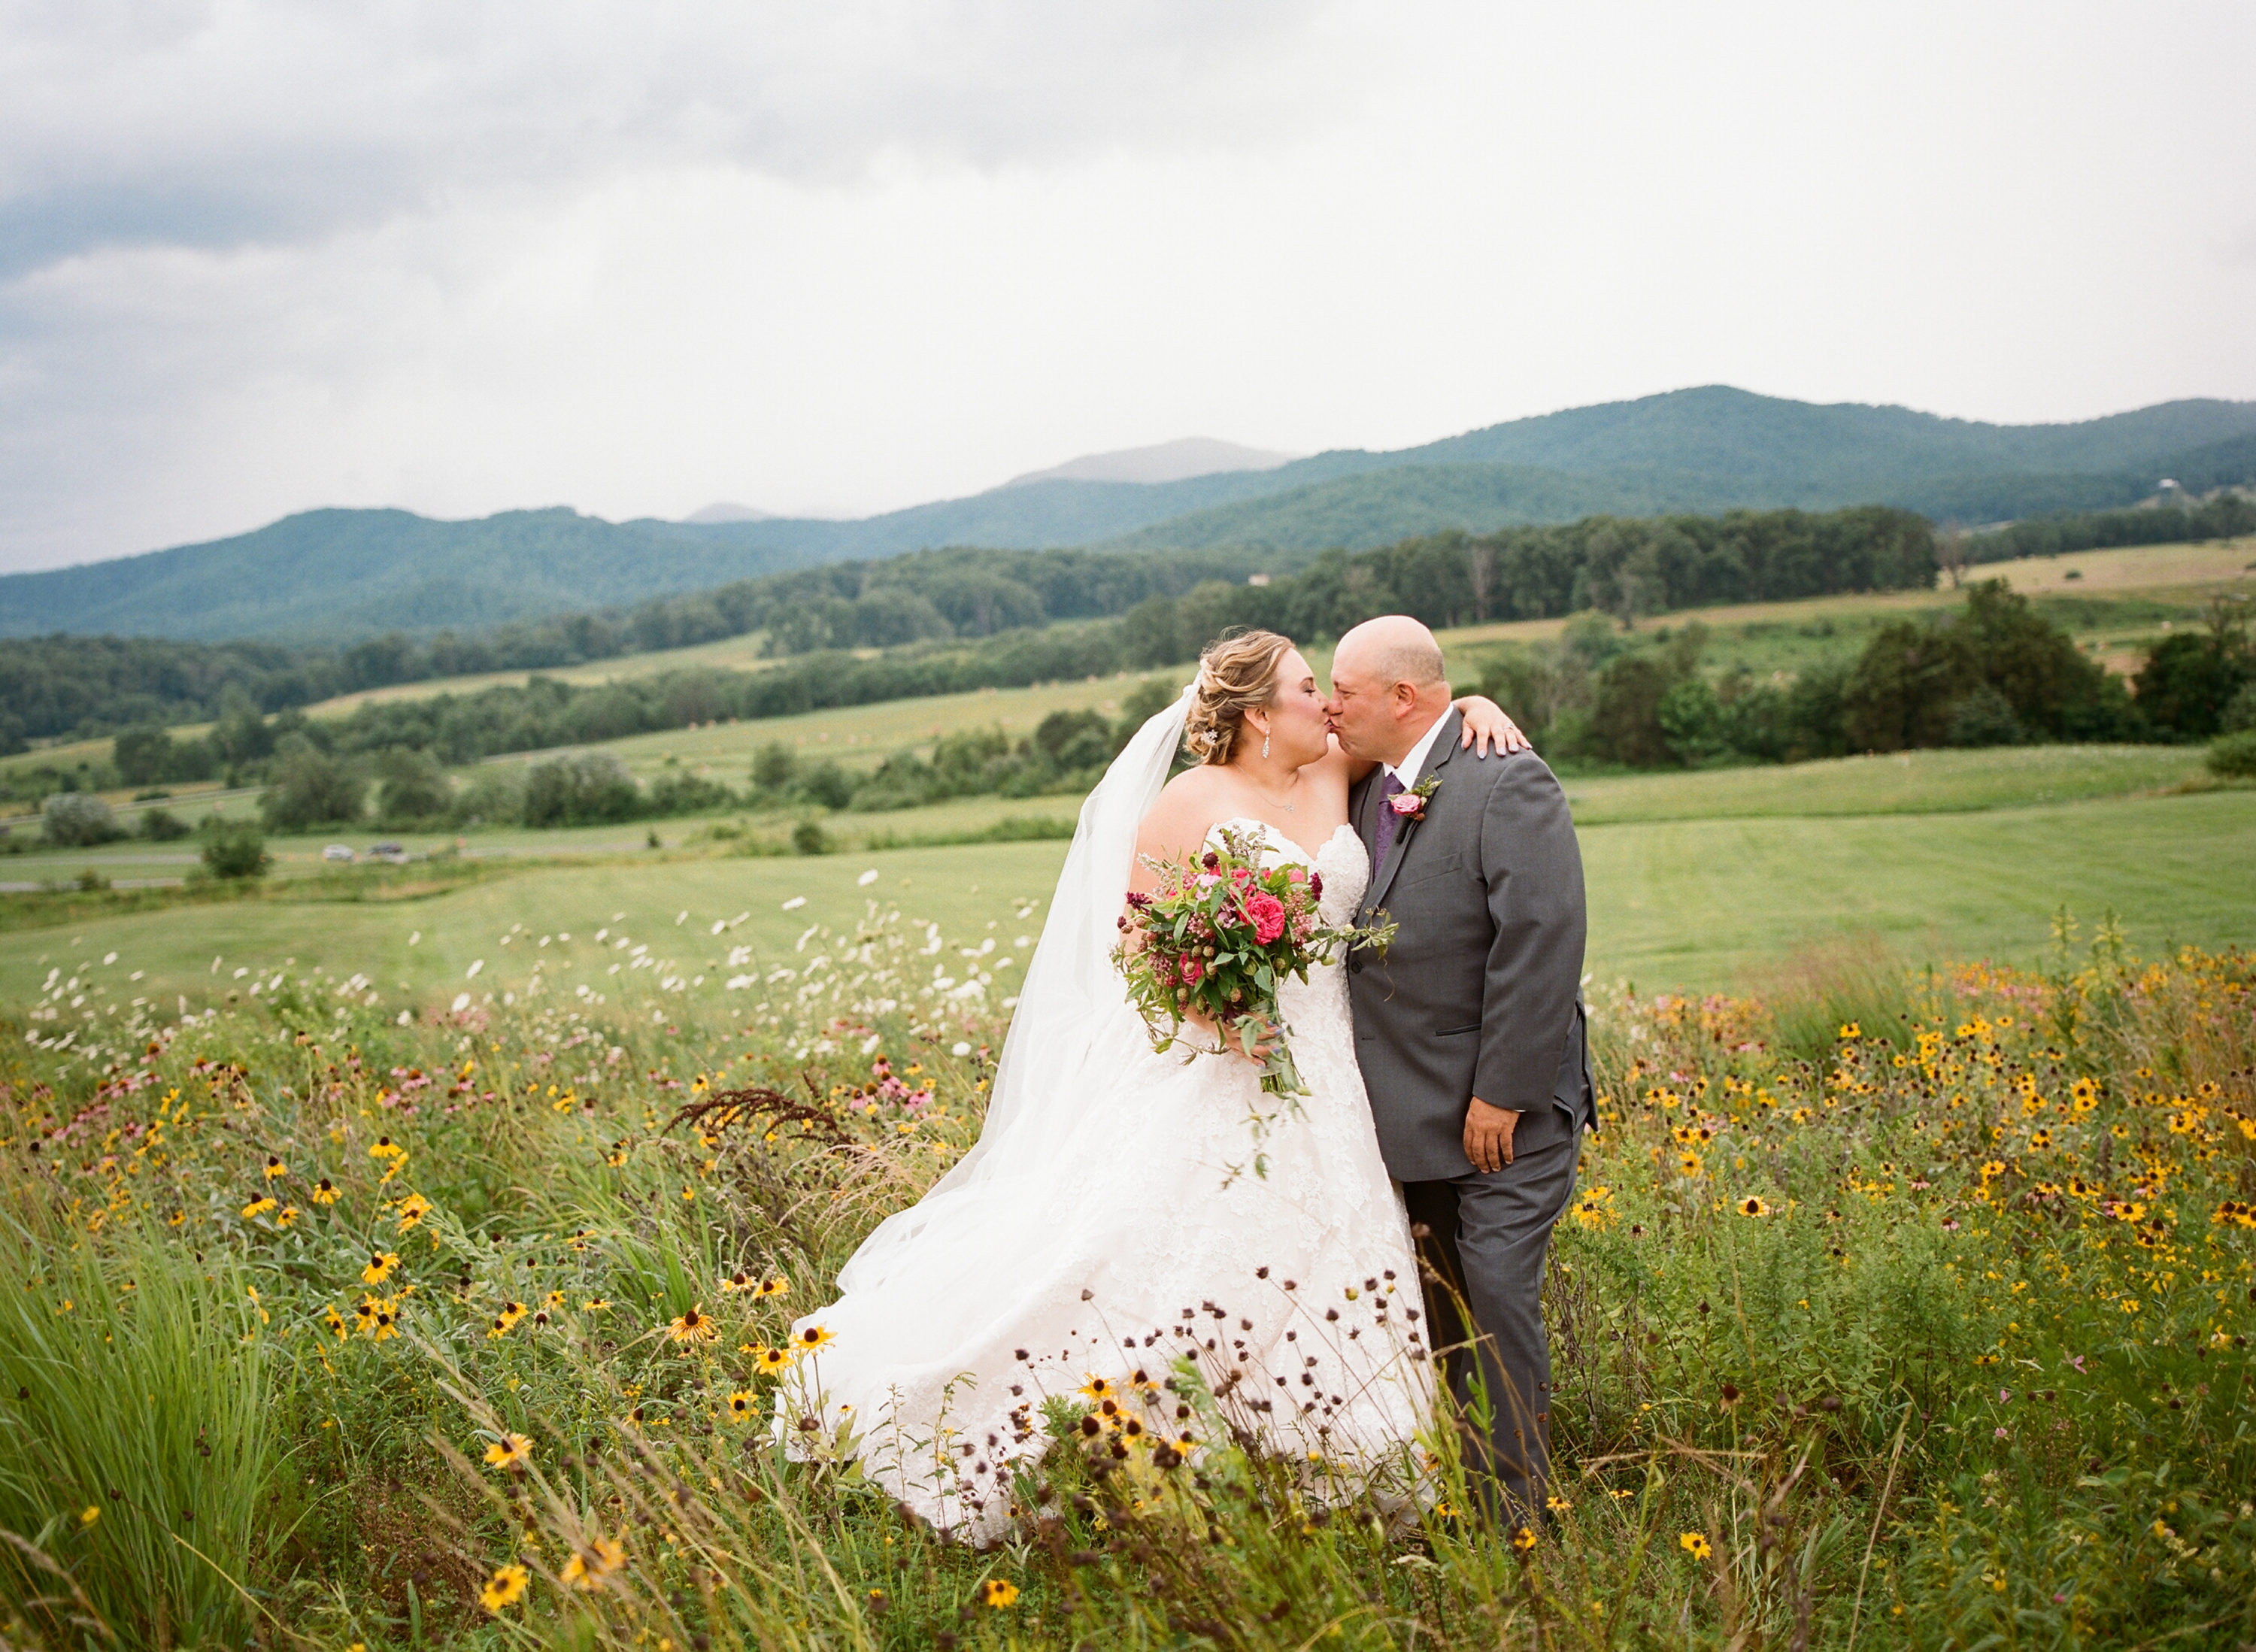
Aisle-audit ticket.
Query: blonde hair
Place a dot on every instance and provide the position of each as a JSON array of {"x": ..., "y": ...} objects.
[{"x": 1238, "y": 673}]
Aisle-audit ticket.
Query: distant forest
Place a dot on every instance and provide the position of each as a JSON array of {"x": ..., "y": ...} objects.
[
  {"x": 921, "y": 609},
  {"x": 2225, "y": 516}
]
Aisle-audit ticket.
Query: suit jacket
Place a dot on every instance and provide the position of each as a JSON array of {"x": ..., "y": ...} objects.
[{"x": 1479, "y": 993}]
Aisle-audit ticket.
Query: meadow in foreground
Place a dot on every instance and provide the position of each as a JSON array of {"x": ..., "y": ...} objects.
[{"x": 1896, "y": 1310}]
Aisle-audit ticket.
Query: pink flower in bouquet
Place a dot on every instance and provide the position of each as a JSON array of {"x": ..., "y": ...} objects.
[
  {"x": 1266, "y": 913},
  {"x": 1192, "y": 970}
]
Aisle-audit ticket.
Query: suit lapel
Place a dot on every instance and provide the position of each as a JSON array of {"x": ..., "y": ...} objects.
[{"x": 1444, "y": 746}]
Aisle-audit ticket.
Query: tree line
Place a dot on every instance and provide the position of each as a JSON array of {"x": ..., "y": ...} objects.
[
  {"x": 1994, "y": 672},
  {"x": 2227, "y": 516},
  {"x": 53, "y": 686}
]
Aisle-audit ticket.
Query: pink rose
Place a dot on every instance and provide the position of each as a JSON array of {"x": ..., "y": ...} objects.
[
  {"x": 1266, "y": 913},
  {"x": 1405, "y": 803}
]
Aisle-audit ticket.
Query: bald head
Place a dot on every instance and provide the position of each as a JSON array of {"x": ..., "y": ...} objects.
[
  {"x": 1387, "y": 687},
  {"x": 1390, "y": 649}
]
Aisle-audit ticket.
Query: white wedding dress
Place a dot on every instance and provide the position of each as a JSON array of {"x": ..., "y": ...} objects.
[{"x": 1112, "y": 1221}]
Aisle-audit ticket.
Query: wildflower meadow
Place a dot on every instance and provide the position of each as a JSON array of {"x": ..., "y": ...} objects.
[{"x": 1897, "y": 1309}]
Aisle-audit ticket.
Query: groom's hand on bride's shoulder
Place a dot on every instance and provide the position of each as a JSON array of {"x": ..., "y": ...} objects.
[{"x": 1488, "y": 1134}]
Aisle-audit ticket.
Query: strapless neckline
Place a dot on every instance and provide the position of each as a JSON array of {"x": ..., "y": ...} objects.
[{"x": 1277, "y": 839}]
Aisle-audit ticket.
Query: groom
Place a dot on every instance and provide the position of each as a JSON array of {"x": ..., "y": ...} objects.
[{"x": 1469, "y": 1029}]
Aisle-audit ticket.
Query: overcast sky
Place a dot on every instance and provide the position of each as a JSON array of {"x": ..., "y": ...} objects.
[{"x": 264, "y": 255}]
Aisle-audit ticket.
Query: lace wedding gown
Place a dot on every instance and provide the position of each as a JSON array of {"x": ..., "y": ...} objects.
[{"x": 1136, "y": 1233}]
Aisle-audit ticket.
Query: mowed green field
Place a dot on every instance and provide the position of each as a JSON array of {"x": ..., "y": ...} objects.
[{"x": 1696, "y": 881}]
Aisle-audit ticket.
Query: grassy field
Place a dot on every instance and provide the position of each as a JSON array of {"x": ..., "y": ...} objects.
[
  {"x": 1698, "y": 880},
  {"x": 1893, "y": 1311}
]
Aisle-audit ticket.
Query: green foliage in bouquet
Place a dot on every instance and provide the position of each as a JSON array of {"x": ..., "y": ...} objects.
[{"x": 1214, "y": 942}]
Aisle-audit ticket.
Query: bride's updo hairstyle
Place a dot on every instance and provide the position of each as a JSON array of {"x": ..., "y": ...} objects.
[{"x": 1238, "y": 673}]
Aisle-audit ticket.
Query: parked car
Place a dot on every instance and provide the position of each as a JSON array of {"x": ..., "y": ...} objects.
[
  {"x": 338, "y": 851},
  {"x": 391, "y": 853}
]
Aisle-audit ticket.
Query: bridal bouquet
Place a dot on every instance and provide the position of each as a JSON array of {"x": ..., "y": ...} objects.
[{"x": 1216, "y": 938}]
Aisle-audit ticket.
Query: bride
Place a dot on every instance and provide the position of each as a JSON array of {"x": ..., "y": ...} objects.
[{"x": 1104, "y": 1226}]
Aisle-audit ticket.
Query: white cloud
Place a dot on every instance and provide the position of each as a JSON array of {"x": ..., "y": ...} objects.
[{"x": 254, "y": 257}]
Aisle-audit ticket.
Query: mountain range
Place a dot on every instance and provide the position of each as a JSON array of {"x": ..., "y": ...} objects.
[{"x": 339, "y": 575}]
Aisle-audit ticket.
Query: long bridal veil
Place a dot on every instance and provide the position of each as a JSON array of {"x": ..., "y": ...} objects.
[{"x": 1071, "y": 991}]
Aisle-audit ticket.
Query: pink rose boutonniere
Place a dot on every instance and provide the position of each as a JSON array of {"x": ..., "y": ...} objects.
[{"x": 1410, "y": 805}]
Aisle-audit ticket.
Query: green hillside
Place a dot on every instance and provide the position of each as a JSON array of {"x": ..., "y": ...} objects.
[
  {"x": 1380, "y": 507},
  {"x": 346, "y": 574},
  {"x": 339, "y": 576},
  {"x": 1846, "y": 449}
]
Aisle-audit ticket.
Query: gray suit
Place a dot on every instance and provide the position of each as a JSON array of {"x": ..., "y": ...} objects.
[{"x": 1479, "y": 995}]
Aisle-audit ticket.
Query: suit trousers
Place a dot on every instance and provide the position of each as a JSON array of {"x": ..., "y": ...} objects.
[{"x": 1483, "y": 1241}]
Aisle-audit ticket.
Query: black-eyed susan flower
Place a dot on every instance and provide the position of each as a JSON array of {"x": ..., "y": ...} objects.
[
  {"x": 1752, "y": 1206},
  {"x": 380, "y": 1319},
  {"x": 808, "y": 1341},
  {"x": 258, "y": 1207},
  {"x": 412, "y": 1209},
  {"x": 775, "y": 1285},
  {"x": 334, "y": 1321},
  {"x": 505, "y": 1589},
  {"x": 1693, "y": 1544},
  {"x": 739, "y": 1280},
  {"x": 327, "y": 1192},
  {"x": 555, "y": 1299},
  {"x": 997, "y": 1593},
  {"x": 1689, "y": 1165},
  {"x": 770, "y": 1362},
  {"x": 379, "y": 1267},
  {"x": 587, "y": 1567},
  {"x": 286, "y": 1215},
  {"x": 1523, "y": 1538},
  {"x": 511, "y": 1451},
  {"x": 386, "y": 1147},
  {"x": 1100, "y": 1388},
  {"x": 594, "y": 1304},
  {"x": 740, "y": 1405},
  {"x": 275, "y": 1167},
  {"x": 692, "y": 1327},
  {"x": 506, "y": 1321}
]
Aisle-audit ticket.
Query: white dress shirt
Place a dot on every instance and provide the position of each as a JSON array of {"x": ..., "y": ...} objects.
[{"x": 1406, "y": 772}]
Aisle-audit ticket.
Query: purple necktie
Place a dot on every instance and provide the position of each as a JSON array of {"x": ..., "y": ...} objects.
[{"x": 1389, "y": 822}]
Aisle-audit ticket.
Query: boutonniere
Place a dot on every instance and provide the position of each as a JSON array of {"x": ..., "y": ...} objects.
[{"x": 1410, "y": 805}]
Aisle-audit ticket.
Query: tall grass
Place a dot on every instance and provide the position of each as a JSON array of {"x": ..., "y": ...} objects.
[
  {"x": 139, "y": 1443},
  {"x": 1891, "y": 1309}
]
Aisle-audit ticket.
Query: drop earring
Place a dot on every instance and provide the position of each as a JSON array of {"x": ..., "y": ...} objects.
[{"x": 1265, "y": 745}]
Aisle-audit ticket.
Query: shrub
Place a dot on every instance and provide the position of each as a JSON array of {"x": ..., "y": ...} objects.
[
  {"x": 2240, "y": 711},
  {"x": 162, "y": 826},
  {"x": 413, "y": 787},
  {"x": 773, "y": 764},
  {"x": 2190, "y": 678},
  {"x": 829, "y": 785},
  {"x": 578, "y": 789},
  {"x": 495, "y": 796},
  {"x": 687, "y": 794},
  {"x": 2234, "y": 756},
  {"x": 310, "y": 789},
  {"x": 235, "y": 848},
  {"x": 1984, "y": 716},
  {"x": 809, "y": 838},
  {"x": 77, "y": 819}
]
